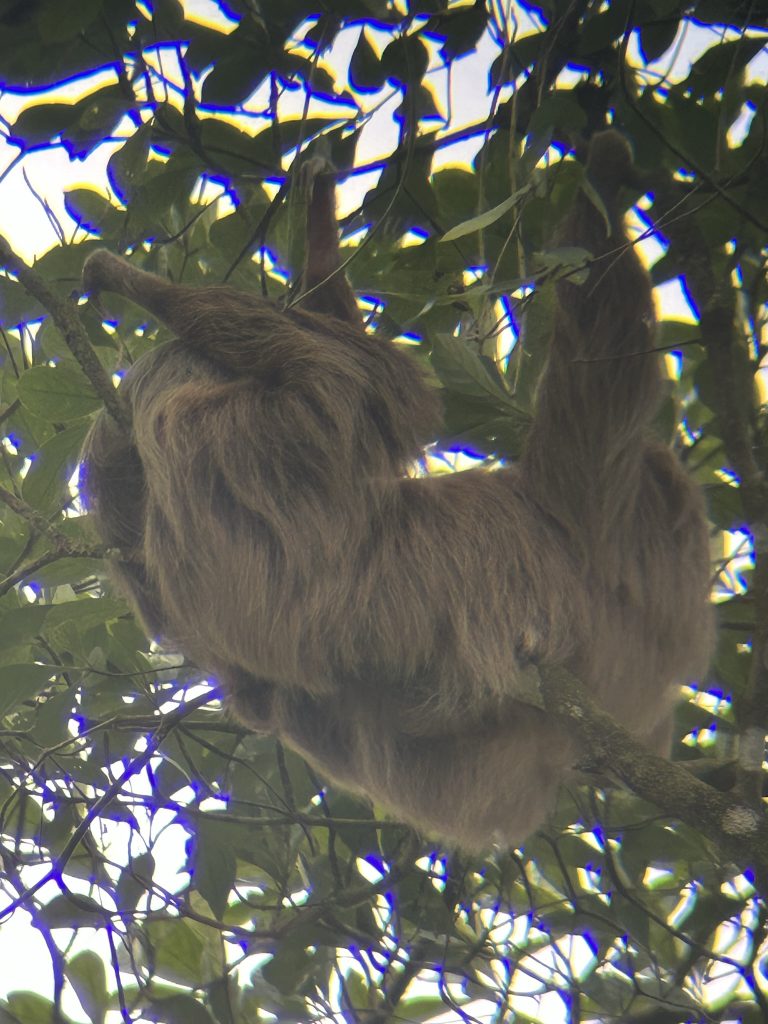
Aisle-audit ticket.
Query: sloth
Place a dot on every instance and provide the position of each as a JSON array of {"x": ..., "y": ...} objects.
[{"x": 268, "y": 524}]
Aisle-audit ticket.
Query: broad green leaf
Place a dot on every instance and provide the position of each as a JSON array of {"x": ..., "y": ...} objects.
[
  {"x": 41, "y": 122},
  {"x": 461, "y": 368},
  {"x": 20, "y": 625},
  {"x": 91, "y": 210},
  {"x": 715, "y": 67},
  {"x": 63, "y": 20},
  {"x": 599, "y": 31},
  {"x": 86, "y": 974},
  {"x": 72, "y": 910},
  {"x": 68, "y": 571},
  {"x": 167, "y": 21},
  {"x": 366, "y": 73},
  {"x": 462, "y": 29},
  {"x": 58, "y": 393},
  {"x": 513, "y": 60},
  {"x": 86, "y": 613},
  {"x": 135, "y": 879},
  {"x": 52, "y": 466},
  {"x": 289, "y": 966},
  {"x": 657, "y": 37},
  {"x": 21, "y": 683},
  {"x": 234, "y": 78},
  {"x": 128, "y": 165},
  {"x": 177, "y": 952},
  {"x": 676, "y": 332},
  {"x": 31, "y": 1008},
  {"x": 214, "y": 870},
  {"x": 405, "y": 60},
  {"x": 16, "y": 305}
]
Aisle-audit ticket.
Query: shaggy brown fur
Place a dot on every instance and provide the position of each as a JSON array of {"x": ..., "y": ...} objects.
[{"x": 379, "y": 623}]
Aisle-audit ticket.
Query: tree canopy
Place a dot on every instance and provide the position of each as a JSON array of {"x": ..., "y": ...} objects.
[{"x": 175, "y": 868}]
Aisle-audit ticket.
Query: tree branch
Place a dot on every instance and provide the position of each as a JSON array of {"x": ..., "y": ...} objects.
[
  {"x": 64, "y": 315},
  {"x": 741, "y": 831}
]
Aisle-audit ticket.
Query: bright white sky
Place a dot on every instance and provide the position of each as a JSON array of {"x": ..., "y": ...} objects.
[{"x": 24, "y": 223}]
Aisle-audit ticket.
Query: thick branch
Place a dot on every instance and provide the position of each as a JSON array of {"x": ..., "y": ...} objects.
[
  {"x": 741, "y": 831},
  {"x": 64, "y": 314}
]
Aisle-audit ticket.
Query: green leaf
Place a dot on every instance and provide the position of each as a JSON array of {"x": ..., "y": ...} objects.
[
  {"x": 42, "y": 122},
  {"x": 484, "y": 220},
  {"x": 135, "y": 879},
  {"x": 474, "y": 425},
  {"x": 157, "y": 195},
  {"x": 725, "y": 507},
  {"x": 567, "y": 260},
  {"x": 462, "y": 29},
  {"x": 92, "y": 211},
  {"x": 422, "y": 1008},
  {"x": 16, "y": 306},
  {"x": 677, "y": 332},
  {"x": 237, "y": 151},
  {"x": 214, "y": 865},
  {"x": 86, "y": 612},
  {"x": 559, "y": 110},
  {"x": 66, "y": 19},
  {"x": 357, "y": 992},
  {"x": 696, "y": 130},
  {"x": 87, "y": 976},
  {"x": 456, "y": 191},
  {"x": 52, "y": 466},
  {"x": 127, "y": 165},
  {"x": 177, "y": 952},
  {"x": 597, "y": 201},
  {"x": 52, "y": 718},
  {"x": 289, "y": 966},
  {"x": 63, "y": 264},
  {"x": 68, "y": 570},
  {"x": 530, "y": 354},
  {"x": 405, "y": 60},
  {"x": 366, "y": 73},
  {"x": 234, "y": 78},
  {"x": 656, "y": 38},
  {"x": 167, "y": 21},
  {"x": 97, "y": 116},
  {"x": 20, "y": 625},
  {"x": 72, "y": 910},
  {"x": 604, "y": 28},
  {"x": 30, "y": 1008},
  {"x": 719, "y": 63},
  {"x": 514, "y": 60},
  {"x": 19, "y": 683},
  {"x": 58, "y": 393},
  {"x": 460, "y": 368}
]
